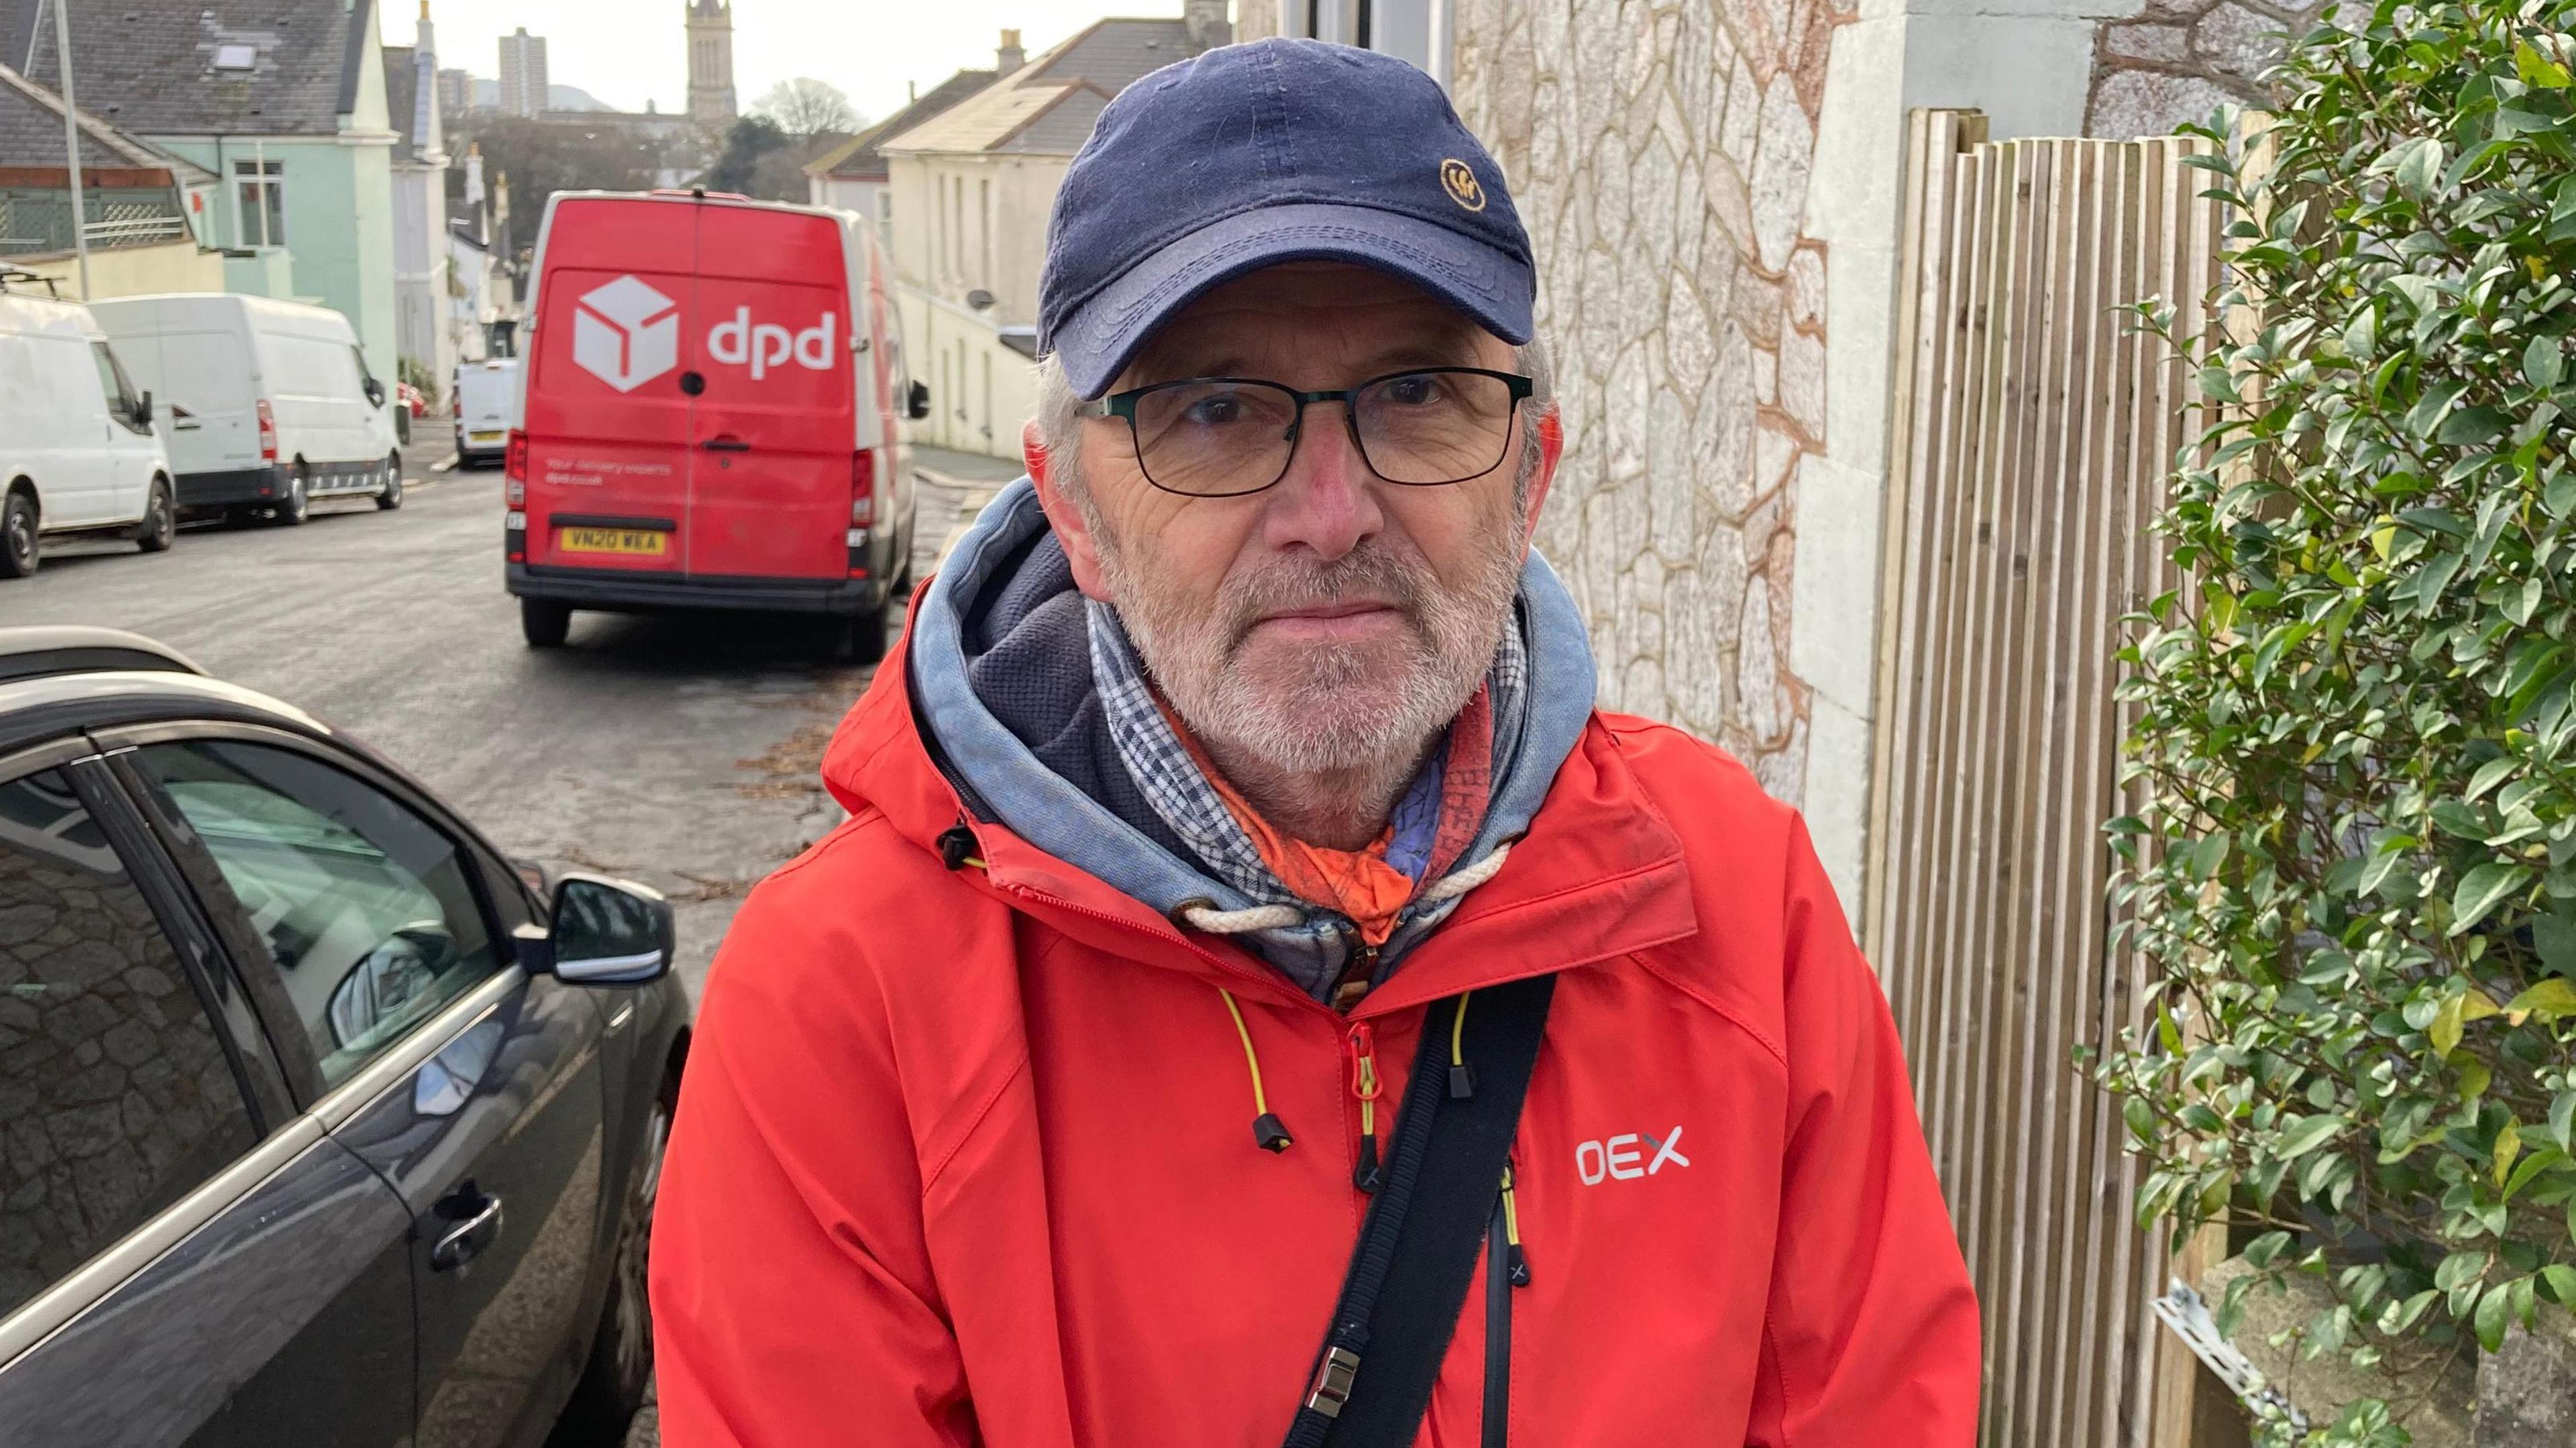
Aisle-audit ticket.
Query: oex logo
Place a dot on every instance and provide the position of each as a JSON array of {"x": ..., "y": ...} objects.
[
  {"x": 1619, "y": 1156},
  {"x": 768, "y": 345},
  {"x": 626, "y": 334}
]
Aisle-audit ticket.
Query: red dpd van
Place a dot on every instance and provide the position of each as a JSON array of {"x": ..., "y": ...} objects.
[{"x": 708, "y": 417}]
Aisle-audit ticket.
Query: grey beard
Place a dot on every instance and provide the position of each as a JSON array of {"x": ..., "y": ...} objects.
[{"x": 1334, "y": 713}]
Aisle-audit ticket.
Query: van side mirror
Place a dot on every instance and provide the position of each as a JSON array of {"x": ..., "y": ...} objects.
[
  {"x": 375, "y": 393},
  {"x": 605, "y": 932},
  {"x": 143, "y": 412},
  {"x": 917, "y": 402}
]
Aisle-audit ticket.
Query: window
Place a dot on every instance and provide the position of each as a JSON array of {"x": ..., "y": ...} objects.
[
  {"x": 984, "y": 233},
  {"x": 122, "y": 399},
  {"x": 116, "y": 1098},
  {"x": 364, "y": 376},
  {"x": 259, "y": 212},
  {"x": 236, "y": 57},
  {"x": 368, "y": 911}
]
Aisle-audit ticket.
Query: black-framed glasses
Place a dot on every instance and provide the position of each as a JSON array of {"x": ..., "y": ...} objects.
[{"x": 1222, "y": 437}]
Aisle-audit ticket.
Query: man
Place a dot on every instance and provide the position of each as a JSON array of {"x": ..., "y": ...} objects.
[{"x": 1042, "y": 1103}]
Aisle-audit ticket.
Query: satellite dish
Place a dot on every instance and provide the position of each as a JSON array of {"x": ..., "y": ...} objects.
[{"x": 979, "y": 299}]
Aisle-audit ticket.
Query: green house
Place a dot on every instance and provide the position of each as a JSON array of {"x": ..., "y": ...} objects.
[{"x": 284, "y": 100}]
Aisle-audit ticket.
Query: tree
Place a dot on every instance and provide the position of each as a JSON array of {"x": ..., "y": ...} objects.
[
  {"x": 755, "y": 151},
  {"x": 805, "y": 107},
  {"x": 543, "y": 156},
  {"x": 2355, "y": 867}
]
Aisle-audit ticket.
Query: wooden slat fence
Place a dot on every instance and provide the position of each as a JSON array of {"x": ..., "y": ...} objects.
[{"x": 2033, "y": 426}]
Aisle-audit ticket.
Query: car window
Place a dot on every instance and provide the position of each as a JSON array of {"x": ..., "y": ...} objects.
[
  {"x": 112, "y": 381},
  {"x": 116, "y": 1098},
  {"x": 368, "y": 910}
]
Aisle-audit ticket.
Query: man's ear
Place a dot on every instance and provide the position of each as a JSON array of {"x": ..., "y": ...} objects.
[
  {"x": 1072, "y": 529},
  {"x": 1551, "y": 447}
]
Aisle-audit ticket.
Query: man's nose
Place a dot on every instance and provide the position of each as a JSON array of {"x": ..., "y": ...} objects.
[{"x": 1325, "y": 502}]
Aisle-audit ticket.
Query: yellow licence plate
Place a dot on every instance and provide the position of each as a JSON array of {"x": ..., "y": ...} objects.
[
  {"x": 486, "y": 436},
  {"x": 614, "y": 540}
]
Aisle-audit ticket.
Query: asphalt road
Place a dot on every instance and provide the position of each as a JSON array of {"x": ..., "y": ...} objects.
[{"x": 678, "y": 751}]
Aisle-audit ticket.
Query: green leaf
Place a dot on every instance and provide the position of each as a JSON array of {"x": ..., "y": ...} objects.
[
  {"x": 2542, "y": 363},
  {"x": 2444, "y": 1033},
  {"x": 2432, "y": 407},
  {"x": 2549, "y": 1000},
  {"x": 2553, "y": 936},
  {"x": 2309, "y": 1134},
  {"x": 2508, "y": 1145},
  {"x": 2489, "y": 1319},
  {"x": 2562, "y": 1120},
  {"x": 2489, "y": 774},
  {"x": 2561, "y": 1281},
  {"x": 2470, "y": 426},
  {"x": 2418, "y": 166},
  {"x": 2537, "y": 70},
  {"x": 2481, "y": 890}
]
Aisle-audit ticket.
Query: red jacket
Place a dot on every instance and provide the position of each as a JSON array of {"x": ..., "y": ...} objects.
[{"x": 964, "y": 1157}]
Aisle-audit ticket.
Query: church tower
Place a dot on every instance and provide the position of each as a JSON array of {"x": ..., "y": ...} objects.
[{"x": 711, "y": 96}]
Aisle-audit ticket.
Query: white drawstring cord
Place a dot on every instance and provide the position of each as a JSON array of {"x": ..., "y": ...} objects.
[{"x": 1209, "y": 920}]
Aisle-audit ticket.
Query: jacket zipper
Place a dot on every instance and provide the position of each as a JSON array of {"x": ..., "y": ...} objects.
[
  {"x": 1504, "y": 1270},
  {"x": 1365, "y": 1087}
]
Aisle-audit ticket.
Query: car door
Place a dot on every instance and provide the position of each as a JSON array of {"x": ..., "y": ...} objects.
[
  {"x": 384, "y": 940},
  {"x": 184, "y": 1258},
  {"x": 82, "y": 488},
  {"x": 130, "y": 457}
]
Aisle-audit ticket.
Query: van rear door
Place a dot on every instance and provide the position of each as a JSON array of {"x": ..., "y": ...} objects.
[
  {"x": 608, "y": 421},
  {"x": 776, "y": 428},
  {"x": 207, "y": 373}
]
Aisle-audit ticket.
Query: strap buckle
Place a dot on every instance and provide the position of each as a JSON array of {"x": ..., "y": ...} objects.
[{"x": 1333, "y": 1382}]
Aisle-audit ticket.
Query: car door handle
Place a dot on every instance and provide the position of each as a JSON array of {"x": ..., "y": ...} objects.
[
  {"x": 725, "y": 443},
  {"x": 467, "y": 1237}
]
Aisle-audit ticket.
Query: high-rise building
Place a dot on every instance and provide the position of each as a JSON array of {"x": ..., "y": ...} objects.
[
  {"x": 711, "y": 97},
  {"x": 455, "y": 92},
  {"x": 523, "y": 74}
]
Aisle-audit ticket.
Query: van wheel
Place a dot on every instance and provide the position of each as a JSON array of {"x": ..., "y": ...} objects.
[
  {"x": 545, "y": 624},
  {"x": 160, "y": 522},
  {"x": 868, "y": 630},
  {"x": 17, "y": 536},
  {"x": 297, "y": 505},
  {"x": 391, "y": 497}
]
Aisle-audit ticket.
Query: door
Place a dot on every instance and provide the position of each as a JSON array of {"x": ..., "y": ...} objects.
[
  {"x": 81, "y": 493},
  {"x": 609, "y": 394},
  {"x": 132, "y": 458},
  {"x": 385, "y": 942},
  {"x": 183, "y": 1258},
  {"x": 777, "y": 427}
]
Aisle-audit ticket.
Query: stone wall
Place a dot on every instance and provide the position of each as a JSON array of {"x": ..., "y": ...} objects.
[
  {"x": 2178, "y": 60},
  {"x": 1660, "y": 155}
]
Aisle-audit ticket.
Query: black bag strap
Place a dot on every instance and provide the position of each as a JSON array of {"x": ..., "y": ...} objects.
[{"x": 1417, "y": 1249}]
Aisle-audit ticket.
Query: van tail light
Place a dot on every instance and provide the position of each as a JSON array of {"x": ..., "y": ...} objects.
[
  {"x": 267, "y": 433},
  {"x": 863, "y": 509},
  {"x": 863, "y": 490},
  {"x": 514, "y": 470}
]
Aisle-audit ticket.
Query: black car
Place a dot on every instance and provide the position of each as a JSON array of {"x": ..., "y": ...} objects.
[{"x": 321, "y": 1122}]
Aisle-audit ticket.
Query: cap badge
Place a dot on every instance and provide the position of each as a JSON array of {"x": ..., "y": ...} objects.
[{"x": 1459, "y": 180}]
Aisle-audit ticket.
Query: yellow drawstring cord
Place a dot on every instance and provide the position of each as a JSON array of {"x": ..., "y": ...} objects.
[
  {"x": 1515, "y": 1261},
  {"x": 1462, "y": 1079},
  {"x": 1268, "y": 1132}
]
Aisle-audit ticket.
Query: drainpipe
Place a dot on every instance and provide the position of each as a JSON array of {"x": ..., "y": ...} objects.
[{"x": 71, "y": 142}]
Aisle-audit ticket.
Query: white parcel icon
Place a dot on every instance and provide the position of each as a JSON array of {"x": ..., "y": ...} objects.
[{"x": 626, "y": 334}]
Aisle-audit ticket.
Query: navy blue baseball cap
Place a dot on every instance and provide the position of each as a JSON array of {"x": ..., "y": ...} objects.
[{"x": 1268, "y": 152}]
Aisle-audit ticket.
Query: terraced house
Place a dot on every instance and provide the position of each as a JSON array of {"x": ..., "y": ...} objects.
[{"x": 283, "y": 100}]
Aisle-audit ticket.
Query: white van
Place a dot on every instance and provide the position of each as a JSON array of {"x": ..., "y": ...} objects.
[
  {"x": 270, "y": 403},
  {"x": 77, "y": 449},
  {"x": 487, "y": 407}
]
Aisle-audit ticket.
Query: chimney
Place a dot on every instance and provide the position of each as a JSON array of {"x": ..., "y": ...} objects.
[
  {"x": 1008, "y": 56},
  {"x": 1207, "y": 23}
]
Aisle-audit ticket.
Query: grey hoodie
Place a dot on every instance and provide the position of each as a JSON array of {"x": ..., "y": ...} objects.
[{"x": 1001, "y": 663}]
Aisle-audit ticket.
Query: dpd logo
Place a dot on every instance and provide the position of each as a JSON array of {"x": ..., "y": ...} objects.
[
  {"x": 626, "y": 334},
  {"x": 764, "y": 345},
  {"x": 1619, "y": 1156}
]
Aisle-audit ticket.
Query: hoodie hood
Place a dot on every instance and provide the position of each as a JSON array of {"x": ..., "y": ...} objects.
[{"x": 1001, "y": 678}]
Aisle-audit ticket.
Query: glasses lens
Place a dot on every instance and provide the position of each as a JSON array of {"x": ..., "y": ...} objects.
[
  {"x": 1213, "y": 438},
  {"x": 1434, "y": 427}
]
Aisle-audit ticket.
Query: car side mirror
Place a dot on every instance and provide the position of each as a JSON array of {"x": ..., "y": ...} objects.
[
  {"x": 917, "y": 402},
  {"x": 605, "y": 932},
  {"x": 375, "y": 393},
  {"x": 143, "y": 412}
]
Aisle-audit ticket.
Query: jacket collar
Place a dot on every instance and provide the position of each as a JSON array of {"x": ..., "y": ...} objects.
[{"x": 1597, "y": 871}]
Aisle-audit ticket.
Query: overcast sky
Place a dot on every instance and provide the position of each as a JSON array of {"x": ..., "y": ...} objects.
[{"x": 626, "y": 52}]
